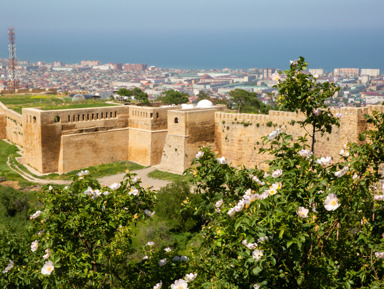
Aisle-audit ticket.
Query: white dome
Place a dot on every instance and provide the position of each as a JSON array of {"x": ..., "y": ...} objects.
[
  {"x": 78, "y": 97},
  {"x": 205, "y": 103}
]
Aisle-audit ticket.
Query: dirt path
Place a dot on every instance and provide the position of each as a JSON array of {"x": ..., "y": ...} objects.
[{"x": 143, "y": 174}]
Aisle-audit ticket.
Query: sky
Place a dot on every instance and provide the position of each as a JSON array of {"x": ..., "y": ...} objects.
[{"x": 188, "y": 33}]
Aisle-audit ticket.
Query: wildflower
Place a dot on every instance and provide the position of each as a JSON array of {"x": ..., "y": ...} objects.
[
  {"x": 149, "y": 213},
  {"x": 339, "y": 115},
  {"x": 167, "y": 249},
  {"x": 257, "y": 254},
  {"x": 324, "y": 161},
  {"x": 176, "y": 258},
  {"x": 315, "y": 76},
  {"x": 222, "y": 161},
  {"x": 231, "y": 212},
  {"x": 256, "y": 179},
  {"x": 82, "y": 173},
  {"x": 219, "y": 203},
  {"x": 276, "y": 77},
  {"x": 303, "y": 212},
  {"x": 331, "y": 202},
  {"x": 317, "y": 111},
  {"x": 199, "y": 154},
  {"x": 294, "y": 62},
  {"x": 305, "y": 153},
  {"x": 133, "y": 191},
  {"x": 145, "y": 257},
  {"x": 35, "y": 215},
  {"x": 135, "y": 180},
  {"x": 47, "y": 268},
  {"x": 342, "y": 172},
  {"x": 150, "y": 244},
  {"x": 9, "y": 267},
  {"x": 34, "y": 245},
  {"x": 250, "y": 246},
  {"x": 239, "y": 206},
  {"x": 48, "y": 254},
  {"x": 355, "y": 176},
  {"x": 158, "y": 285},
  {"x": 344, "y": 153},
  {"x": 184, "y": 258},
  {"x": 50, "y": 188},
  {"x": 379, "y": 255},
  {"x": 190, "y": 277},
  {"x": 180, "y": 284},
  {"x": 162, "y": 262},
  {"x": 262, "y": 239},
  {"x": 114, "y": 186},
  {"x": 378, "y": 197},
  {"x": 277, "y": 173},
  {"x": 106, "y": 193},
  {"x": 273, "y": 134}
]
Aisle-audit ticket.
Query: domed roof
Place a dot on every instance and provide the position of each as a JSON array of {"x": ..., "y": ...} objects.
[
  {"x": 205, "y": 103},
  {"x": 78, "y": 97}
]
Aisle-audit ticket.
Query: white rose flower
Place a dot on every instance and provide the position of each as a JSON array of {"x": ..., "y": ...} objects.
[
  {"x": 331, "y": 202},
  {"x": 257, "y": 254},
  {"x": 342, "y": 172},
  {"x": 133, "y": 191},
  {"x": 135, "y": 180},
  {"x": 303, "y": 212},
  {"x": 9, "y": 267},
  {"x": 324, "y": 161},
  {"x": 219, "y": 203},
  {"x": 273, "y": 134},
  {"x": 145, "y": 257},
  {"x": 344, "y": 153},
  {"x": 150, "y": 244},
  {"x": 114, "y": 186},
  {"x": 379, "y": 255},
  {"x": 190, "y": 277},
  {"x": 50, "y": 188},
  {"x": 149, "y": 213},
  {"x": 231, "y": 212},
  {"x": 339, "y": 115},
  {"x": 176, "y": 258},
  {"x": 34, "y": 245},
  {"x": 162, "y": 262},
  {"x": 277, "y": 173},
  {"x": 47, "y": 268},
  {"x": 184, "y": 258},
  {"x": 180, "y": 284},
  {"x": 82, "y": 173},
  {"x": 199, "y": 154},
  {"x": 223, "y": 161},
  {"x": 158, "y": 285},
  {"x": 275, "y": 77},
  {"x": 167, "y": 249},
  {"x": 48, "y": 254},
  {"x": 35, "y": 215}
]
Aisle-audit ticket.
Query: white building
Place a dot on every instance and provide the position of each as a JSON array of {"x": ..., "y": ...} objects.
[{"x": 370, "y": 72}]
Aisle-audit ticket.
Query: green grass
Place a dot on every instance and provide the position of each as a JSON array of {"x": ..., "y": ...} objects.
[
  {"x": 99, "y": 171},
  {"x": 47, "y": 102},
  {"x": 7, "y": 150},
  {"x": 160, "y": 175}
]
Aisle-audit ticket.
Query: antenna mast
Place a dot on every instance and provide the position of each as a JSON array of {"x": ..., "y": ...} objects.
[{"x": 12, "y": 63}]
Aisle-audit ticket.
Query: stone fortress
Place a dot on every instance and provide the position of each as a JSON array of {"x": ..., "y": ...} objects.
[{"x": 169, "y": 137}]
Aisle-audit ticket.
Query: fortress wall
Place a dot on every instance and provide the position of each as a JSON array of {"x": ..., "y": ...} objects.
[
  {"x": 33, "y": 154},
  {"x": 187, "y": 131},
  {"x": 149, "y": 118},
  {"x": 239, "y": 136},
  {"x": 79, "y": 151},
  {"x": 3, "y": 121},
  {"x": 51, "y": 125},
  {"x": 14, "y": 130}
]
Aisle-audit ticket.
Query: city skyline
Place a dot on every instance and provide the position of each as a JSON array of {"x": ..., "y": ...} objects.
[{"x": 214, "y": 34}]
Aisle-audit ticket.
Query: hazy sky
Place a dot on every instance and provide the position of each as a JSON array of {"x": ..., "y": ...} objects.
[
  {"x": 198, "y": 15},
  {"x": 41, "y": 23}
]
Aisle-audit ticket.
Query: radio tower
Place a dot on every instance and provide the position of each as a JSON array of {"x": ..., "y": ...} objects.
[{"x": 12, "y": 83}]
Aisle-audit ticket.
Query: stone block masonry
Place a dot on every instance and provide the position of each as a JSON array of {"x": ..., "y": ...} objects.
[{"x": 66, "y": 140}]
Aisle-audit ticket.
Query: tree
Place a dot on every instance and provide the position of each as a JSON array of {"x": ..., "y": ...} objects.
[
  {"x": 203, "y": 95},
  {"x": 247, "y": 101},
  {"x": 174, "y": 97},
  {"x": 306, "y": 222},
  {"x": 136, "y": 92}
]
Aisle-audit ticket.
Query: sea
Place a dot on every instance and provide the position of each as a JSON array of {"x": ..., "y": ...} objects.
[{"x": 206, "y": 49}]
